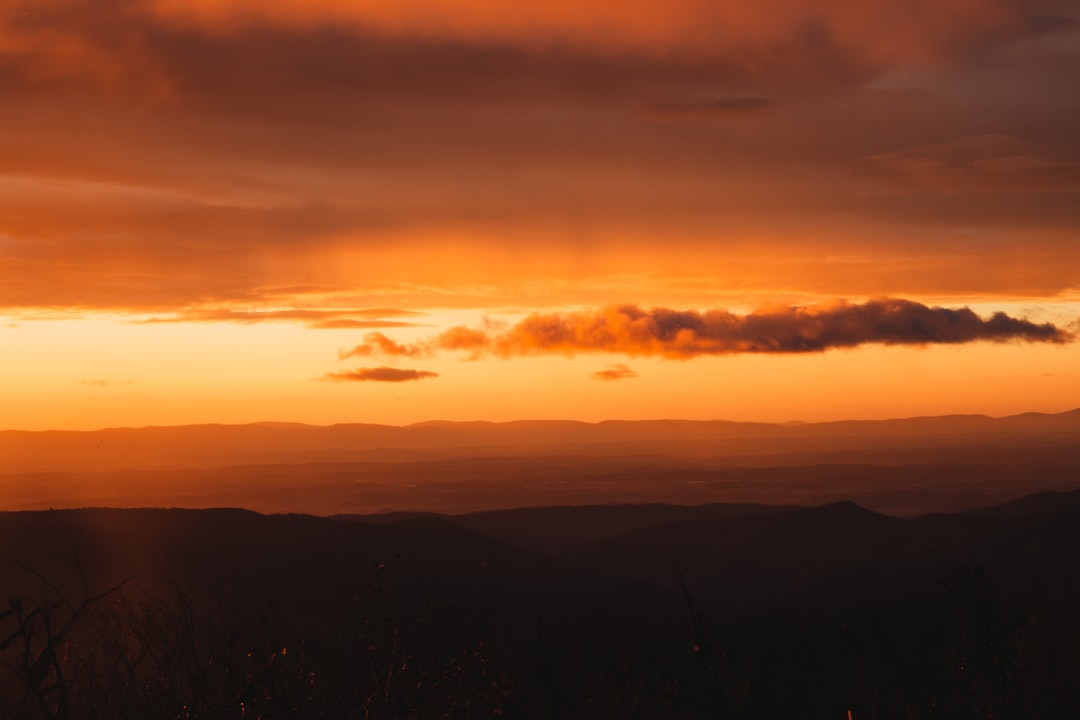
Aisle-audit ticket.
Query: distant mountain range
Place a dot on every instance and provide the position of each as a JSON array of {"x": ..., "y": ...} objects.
[
  {"x": 215, "y": 445},
  {"x": 902, "y": 467}
]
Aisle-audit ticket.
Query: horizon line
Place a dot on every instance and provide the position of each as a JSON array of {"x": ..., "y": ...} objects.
[{"x": 437, "y": 421}]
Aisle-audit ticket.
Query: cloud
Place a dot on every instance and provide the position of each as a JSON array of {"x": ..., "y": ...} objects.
[
  {"x": 980, "y": 163},
  {"x": 618, "y": 371},
  {"x": 350, "y": 324},
  {"x": 379, "y": 374},
  {"x": 1046, "y": 24},
  {"x": 702, "y": 26},
  {"x": 316, "y": 319},
  {"x": 375, "y": 343},
  {"x": 710, "y": 108},
  {"x": 348, "y": 140},
  {"x": 685, "y": 334}
]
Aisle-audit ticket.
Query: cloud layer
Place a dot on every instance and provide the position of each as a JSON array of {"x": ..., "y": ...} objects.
[
  {"x": 434, "y": 145},
  {"x": 684, "y": 334}
]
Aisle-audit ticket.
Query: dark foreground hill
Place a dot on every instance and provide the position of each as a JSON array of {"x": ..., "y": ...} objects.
[{"x": 650, "y": 611}]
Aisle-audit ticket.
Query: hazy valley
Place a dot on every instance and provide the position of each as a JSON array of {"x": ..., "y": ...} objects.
[{"x": 902, "y": 467}]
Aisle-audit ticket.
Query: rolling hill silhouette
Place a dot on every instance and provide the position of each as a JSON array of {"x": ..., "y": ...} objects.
[{"x": 637, "y": 611}]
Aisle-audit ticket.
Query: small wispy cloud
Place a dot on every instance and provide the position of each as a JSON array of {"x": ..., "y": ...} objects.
[
  {"x": 351, "y": 324},
  {"x": 379, "y": 374},
  {"x": 349, "y": 319},
  {"x": 617, "y": 371}
]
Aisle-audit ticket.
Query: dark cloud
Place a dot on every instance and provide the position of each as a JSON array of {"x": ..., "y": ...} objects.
[
  {"x": 72, "y": 38},
  {"x": 618, "y": 371},
  {"x": 685, "y": 334},
  {"x": 980, "y": 163},
  {"x": 1045, "y": 24},
  {"x": 379, "y": 374}
]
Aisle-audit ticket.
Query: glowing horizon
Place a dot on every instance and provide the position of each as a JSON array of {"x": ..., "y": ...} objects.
[{"x": 212, "y": 211}]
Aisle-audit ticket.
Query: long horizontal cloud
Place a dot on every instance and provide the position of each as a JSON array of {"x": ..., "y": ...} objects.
[
  {"x": 684, "y": 334},
  {"x": 69, "y": 38},
  {"x": 700, "y": 24},
  {"x": 379, "y": 374},
  {"x": 318, "y": 319}
]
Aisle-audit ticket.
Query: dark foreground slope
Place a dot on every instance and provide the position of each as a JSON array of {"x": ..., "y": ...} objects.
[{"x": 654, "y": 611}]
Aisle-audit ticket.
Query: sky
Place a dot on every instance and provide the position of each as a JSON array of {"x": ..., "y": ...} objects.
[{"x": 333, "y": 211}]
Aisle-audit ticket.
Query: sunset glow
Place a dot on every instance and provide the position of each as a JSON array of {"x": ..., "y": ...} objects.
[{"x": 329, "y": 212}]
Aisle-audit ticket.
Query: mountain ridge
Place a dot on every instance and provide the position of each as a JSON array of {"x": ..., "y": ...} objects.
[{"x": 439, "y": 423}]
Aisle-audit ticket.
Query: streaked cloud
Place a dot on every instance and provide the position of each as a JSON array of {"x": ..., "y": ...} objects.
[
  {"x": 986, "y": 163},
  {"x": 317, "y": 319},
  {"x": 696, "y": 26},
  {"x": 351, "y": 324}
]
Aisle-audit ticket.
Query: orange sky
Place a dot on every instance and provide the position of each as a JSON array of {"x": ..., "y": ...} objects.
[{"x": 205, "y": 206}]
